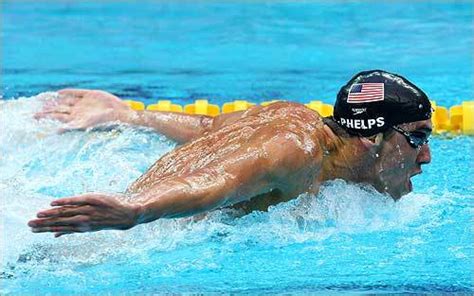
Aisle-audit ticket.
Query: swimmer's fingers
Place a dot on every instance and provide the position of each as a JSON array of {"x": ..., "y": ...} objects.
[
  {"x": 65, "y": 211},
  {"x": 61, "y": 226},
  {"x": 61, "y": 108},
  {"x": 65, "y": 98},
  {"x": 63, "y": 117},
  {"x": 49, "y": 104},
  {"x": 54, "y": 229},
  {"x": 81, "y": 221},
  {"x": 81, "y": 124},
  {"x": 70, "y": 97},
  {"x": 63, "y": 104},
  {"x": 87, "y": 199},
  {"x": 58, "y": 229},
  {"x": 53, "y": 110}
]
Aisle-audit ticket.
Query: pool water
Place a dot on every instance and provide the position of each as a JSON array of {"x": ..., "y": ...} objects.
[{"x": 348, "y": 238}]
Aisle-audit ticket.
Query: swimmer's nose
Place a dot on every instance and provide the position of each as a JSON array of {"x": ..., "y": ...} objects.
[{"x": 424, "y": 156}]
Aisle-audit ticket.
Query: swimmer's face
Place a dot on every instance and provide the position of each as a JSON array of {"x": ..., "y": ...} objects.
[{"x": 398, "y": 161}]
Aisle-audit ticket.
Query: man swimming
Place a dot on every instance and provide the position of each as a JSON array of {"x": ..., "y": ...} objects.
[{"x": 252, "y": 159}]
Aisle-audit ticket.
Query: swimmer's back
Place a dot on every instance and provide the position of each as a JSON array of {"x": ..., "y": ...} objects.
[{"x": 235, "y": 132}]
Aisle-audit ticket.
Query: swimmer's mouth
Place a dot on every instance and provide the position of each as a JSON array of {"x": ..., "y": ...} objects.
[{"x": 409, "y": 184}]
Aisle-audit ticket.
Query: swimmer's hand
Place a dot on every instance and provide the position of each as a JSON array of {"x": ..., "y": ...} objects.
[
  {"x": 85, "y": 213},
  {"x": 81, "y": 109}
]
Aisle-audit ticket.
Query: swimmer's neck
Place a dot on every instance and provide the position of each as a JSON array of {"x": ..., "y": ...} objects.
[{"x": 344, "y": 156}]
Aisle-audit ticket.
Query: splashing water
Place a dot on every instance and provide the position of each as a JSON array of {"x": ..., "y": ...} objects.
[{"x": 347, "y": 238}]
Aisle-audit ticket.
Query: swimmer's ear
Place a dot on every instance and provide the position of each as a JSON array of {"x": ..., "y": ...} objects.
[{"x": 372, "y": 141}]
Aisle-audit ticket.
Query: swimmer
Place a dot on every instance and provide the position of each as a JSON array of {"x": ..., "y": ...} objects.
[{"x": 251, "y": 159}]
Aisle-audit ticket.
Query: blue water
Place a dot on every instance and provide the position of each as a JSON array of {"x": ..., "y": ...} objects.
[
  {"x": 348, "y": 238},
  {"x": 256, "y": 51}
]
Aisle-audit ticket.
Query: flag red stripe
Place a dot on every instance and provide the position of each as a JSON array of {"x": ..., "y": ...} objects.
[
  {"x": 364, "y": 101},
  {"x": 368, "y": 96},
  {"x": 371, "y": 93},
  {"x": 375, "y": 99}
]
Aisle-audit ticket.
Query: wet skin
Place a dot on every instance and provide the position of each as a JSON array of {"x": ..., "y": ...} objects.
[
  {"x": 249, "y": 160},
  {"x": 401, "y": 161}
]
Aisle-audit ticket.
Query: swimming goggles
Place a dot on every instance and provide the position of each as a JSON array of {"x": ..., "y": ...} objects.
[{"x": 416, "y": 139}]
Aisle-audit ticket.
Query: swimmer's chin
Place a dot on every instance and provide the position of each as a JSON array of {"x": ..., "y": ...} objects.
[
  {"x": 407, "y": 188},
  {"x": 397, "y": 192}
]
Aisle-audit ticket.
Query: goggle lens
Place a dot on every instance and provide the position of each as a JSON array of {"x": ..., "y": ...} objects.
[{"x": 416, "y": 139}]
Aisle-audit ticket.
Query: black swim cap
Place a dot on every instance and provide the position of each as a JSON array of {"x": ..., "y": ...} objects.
[{"x": 373, "y": 101}]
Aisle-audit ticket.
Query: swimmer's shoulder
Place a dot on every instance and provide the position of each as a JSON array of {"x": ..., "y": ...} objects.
[
  {"x": 287, "y": 109},
  {"x": 279, "y": 114}
]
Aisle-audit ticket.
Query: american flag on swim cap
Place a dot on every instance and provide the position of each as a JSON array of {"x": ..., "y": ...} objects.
[{"x": 366, "y": 93}]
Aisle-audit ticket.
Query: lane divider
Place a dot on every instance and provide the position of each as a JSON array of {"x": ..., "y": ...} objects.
[
  {"x": 323, "y": 109},
  {"x": 467, "y": 117},
  {"x": 164, "y": 105},
  {"x": 458, "y": 119},
  {"x": 135, "y": 105},
  {"x": 202, "y": 107},
  {"x": 237, "y": 105}
]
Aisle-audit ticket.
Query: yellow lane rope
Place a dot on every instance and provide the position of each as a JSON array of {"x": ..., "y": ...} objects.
[{"x": 457, "y": 119}]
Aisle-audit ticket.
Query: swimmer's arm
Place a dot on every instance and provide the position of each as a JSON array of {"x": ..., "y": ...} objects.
[
  {"x": 82, "y": 108},
  {"x": 249, "y": 172},
  {"x": 255, "y": 169},
  {"x": 180, "y": 127}
]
